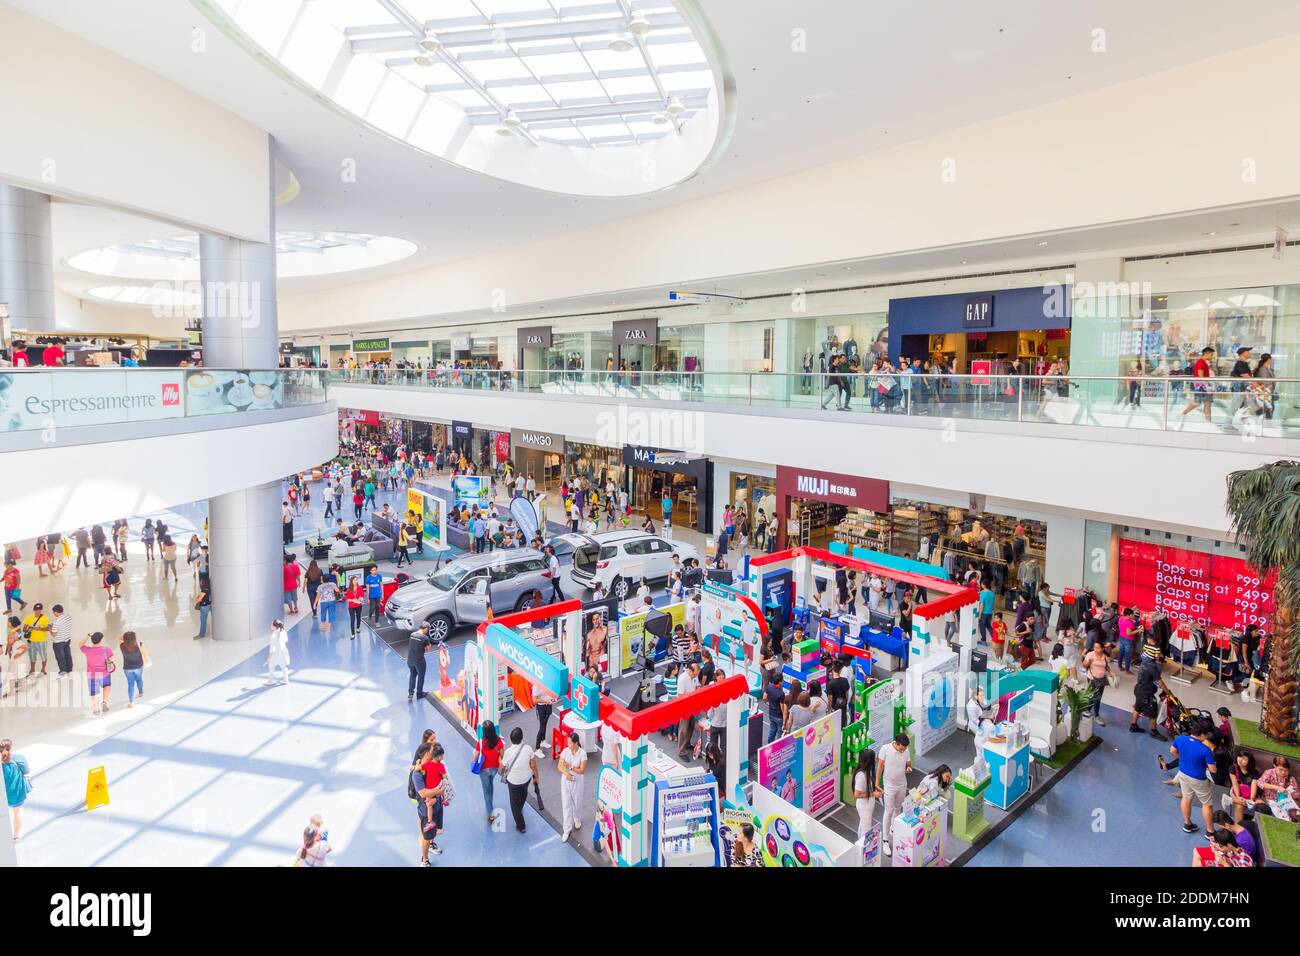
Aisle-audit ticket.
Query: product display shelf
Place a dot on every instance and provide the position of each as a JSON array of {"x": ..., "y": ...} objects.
[{"x": 866, "y": 529}]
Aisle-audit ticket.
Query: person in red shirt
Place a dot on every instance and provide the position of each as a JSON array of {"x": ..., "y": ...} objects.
[
  {"x": 356, "y": 595},
  {"x": 1202, "y": 392},
  {"x": 292, "y": 577},
  {"x": 435, "y": 776},
  {"x": 54, "y": 355},
  {"x": 999, "y": 636},
  {"x": 491, "y": 748},
  {"x": 13, "y": 582}
]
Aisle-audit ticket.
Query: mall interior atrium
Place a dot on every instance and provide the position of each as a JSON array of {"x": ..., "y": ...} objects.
[{"x": 650, "y": 433}]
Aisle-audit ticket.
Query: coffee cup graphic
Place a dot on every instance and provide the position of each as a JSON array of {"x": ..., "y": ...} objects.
[
  {"x": 201, "y": 387},
  {"x": 262, "y": 395}
]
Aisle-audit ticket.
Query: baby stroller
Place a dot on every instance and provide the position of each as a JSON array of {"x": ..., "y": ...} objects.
[{"x": 1177, "y": 719}]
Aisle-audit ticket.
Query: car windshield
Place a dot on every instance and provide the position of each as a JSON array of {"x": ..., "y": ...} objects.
[{"x": 447, "y": 578}]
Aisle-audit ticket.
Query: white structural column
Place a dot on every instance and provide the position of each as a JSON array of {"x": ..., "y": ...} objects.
[
  {"x": 240, "y": 332},
  {"x": 26, "y": 259},
  {"x": 245, "y": 551}
]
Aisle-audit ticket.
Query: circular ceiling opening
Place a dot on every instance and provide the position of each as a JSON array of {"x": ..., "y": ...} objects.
[
  {"x": 298, "y": 255},
  {"x": 615, "y": 98}
]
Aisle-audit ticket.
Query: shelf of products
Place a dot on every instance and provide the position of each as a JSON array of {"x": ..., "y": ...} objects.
[{"x": 866, "y": 529}]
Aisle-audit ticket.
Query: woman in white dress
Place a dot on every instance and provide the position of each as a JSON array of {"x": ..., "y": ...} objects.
[{"x": 277, "y": 653}]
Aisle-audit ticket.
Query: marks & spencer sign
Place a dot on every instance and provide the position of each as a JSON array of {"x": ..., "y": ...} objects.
[{"x": 850, "y": 490}]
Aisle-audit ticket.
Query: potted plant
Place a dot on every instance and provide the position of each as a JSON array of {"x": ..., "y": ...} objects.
[
  {"x": 1078, "y": 698},
  {"x": 1264, "y": 503}
]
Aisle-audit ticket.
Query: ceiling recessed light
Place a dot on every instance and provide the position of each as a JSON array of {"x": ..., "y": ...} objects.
[
  {"x": 423, "y": 59},
  {"x": 504, "y": 131},
  {"x": 964, "y": 261},
  {"x": 622, "y": 43},
  {"x": 639, "y": 25},
  {"x": 1211, "y": 233},
  {"x": 431, "y": 42},
  {"x": 675, "y": 107},
  {"x": 659, "y": 119}
]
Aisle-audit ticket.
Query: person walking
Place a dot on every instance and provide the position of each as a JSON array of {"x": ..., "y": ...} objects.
[
  {"x": 892, "y": 768},
  {"x": 36, "y": 626},
  {"x": 13, "y": 584},
  {"x": 61, "y": 639},
  {"x": 374, "y": 582},
  {"x": 277, "y": 652},
  {"x": 203, "y": 604},
  {"x": 326, "y": 600},
  {"x": 18, "y": 783},
  {"x": 543, "y": 702},
  {"x": 82, "y": 537},
  {"x": 553, "y": 573},
  {"x": 356, "y": 595},
  {"x": 148, "y": 538},
  {"x": 99, "y": 670},
  {"x": 572, "y": 765},
  {"x": 865, "y": 790},
  {"x": 134, "y": 660},
  {"x": 292, "y": 575},
  {"x": 167, "y": 551},
  {"x": 1096, "y": 664},
  {"x": 519, "y": 767},
  {"x": 286, "y": 523},
  {"x": 489, "y": 749},
  {"x": 1195, "y": 768},
  {"x": 193, "y": 552},
  {"x": 403, "y": 544},
  {"x": 417, "y": 646},
  {"x": 312, "y": 578}
]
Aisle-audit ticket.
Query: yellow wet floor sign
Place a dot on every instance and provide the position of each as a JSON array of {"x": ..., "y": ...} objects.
[{"x": 96, "y": 788}]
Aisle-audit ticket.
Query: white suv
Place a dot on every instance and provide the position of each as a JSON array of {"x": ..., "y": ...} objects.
[{"x": 619, "y": 559}]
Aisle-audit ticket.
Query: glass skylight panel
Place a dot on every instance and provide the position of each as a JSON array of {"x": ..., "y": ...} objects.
[
  {"x": 426, "y": 10},
  {"x": 557, "y": 63},
  {"x": 492, "y": 8},
  {"x": 631, "y": 86},
  {"x": 582, "y": 91},
  {"x": 519, "y": 95},
  {"x": 670, "y": 54}
]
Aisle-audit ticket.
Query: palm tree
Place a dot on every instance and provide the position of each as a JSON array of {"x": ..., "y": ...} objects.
[{"x": 1264, "y": 503}]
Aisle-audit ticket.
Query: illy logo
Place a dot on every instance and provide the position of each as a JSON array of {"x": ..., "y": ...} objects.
[{"x": 171, "y": 394}]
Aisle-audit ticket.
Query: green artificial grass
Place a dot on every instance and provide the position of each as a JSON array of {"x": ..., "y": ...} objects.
[
  {"x": 1066, "y": 752},
  {"x": 1247, "y": 734},
  {"x": 1279, "y": 839}
]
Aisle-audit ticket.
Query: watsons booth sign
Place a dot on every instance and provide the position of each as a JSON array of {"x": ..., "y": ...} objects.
[{"x": 529, "y": 660}]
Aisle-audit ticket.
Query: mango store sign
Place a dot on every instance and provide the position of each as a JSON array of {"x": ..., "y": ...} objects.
[{"x": 522, "y": 656}]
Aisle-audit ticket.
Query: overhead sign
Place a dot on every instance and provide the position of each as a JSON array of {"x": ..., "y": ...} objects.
[
  {"x": 460, "y": 343},
  {"x": 1204, "y": 589},
  {"x": 370, "y": 345},
  {"x": 36, "y": 400},
  {"x": 977, "y": 312},
  {"x": 536, "y": 337},
  {"x": 850, "y": 490},
  {"x": 542, "y": 441},
  {"x": 661, "y": 460},
  {"x": 636, "y": 332},
  {"x": 527, "y": 659}
]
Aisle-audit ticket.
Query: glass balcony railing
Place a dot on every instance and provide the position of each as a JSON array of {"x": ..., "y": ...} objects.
[
  {"x": 1247, "y": 407},
  {"x": 36, "y": 399}
]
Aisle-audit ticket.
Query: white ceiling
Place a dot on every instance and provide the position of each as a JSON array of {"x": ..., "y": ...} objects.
[{"x": 872, "y": 73}]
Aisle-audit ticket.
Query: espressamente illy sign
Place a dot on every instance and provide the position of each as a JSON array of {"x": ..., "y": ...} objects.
[{"x": 67, "y": 399}]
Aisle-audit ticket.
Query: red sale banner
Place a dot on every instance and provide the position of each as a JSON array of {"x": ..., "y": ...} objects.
[{"x": 1204, "y": 589}]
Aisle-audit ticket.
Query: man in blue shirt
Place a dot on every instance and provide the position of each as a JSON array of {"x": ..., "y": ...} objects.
[
  {"x": 374, "y": 582},
  {"x": 1195, "y": 765},
  {"x": 987, "y": 598},
  {"x": 667, "y": 505}
]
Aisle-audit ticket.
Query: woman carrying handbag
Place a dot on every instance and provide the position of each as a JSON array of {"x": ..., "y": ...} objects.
[{"x": 487, "y": 764}]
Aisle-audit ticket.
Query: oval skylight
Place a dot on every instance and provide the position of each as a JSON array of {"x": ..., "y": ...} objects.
[
  {"x": 298, "y": 254},
  {"x": 615, "y": 98}
]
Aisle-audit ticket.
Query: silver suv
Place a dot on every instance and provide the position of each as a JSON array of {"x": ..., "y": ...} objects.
[
  {"x": 459, "y": 592},
  {"x": 619, "y": 559}
]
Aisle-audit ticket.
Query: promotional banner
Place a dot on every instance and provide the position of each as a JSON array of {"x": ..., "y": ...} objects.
[
  {"x": 470, "y": 490},
  {"x": 777, "y": 587},
  {"x": 429, "y": 512},
  {"x": 780, "y": 769},
  {"x": 218, "y": 392},
  {"x": 595, "y": 639},
  {"x": 879, "y": 705},
  {"x": 1203, "y": 589},
  {"x": 34, "y": 401},
  {"x": 820, "y": 747},
  {"x": 502, "y": 447},
  {"x": 632, "y": 634},
  {"x": 525, "y": 515}
]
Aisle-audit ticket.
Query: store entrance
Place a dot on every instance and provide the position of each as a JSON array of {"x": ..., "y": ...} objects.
[{"x": 1036, "y": 349}]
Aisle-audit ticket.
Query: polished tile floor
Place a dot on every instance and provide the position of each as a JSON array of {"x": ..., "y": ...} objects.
[{"x": 230, "y": 773}]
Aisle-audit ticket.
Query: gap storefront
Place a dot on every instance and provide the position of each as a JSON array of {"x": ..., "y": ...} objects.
[{"x": 1032, "y": 325}]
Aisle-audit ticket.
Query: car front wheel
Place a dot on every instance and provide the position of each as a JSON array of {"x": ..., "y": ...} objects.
[
  {"x": 618, "y": 588},
  {"x": 439, "y": 628}
]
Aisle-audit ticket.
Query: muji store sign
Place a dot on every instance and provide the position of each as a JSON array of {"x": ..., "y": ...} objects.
[{"x": 1205, "y": 589}]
